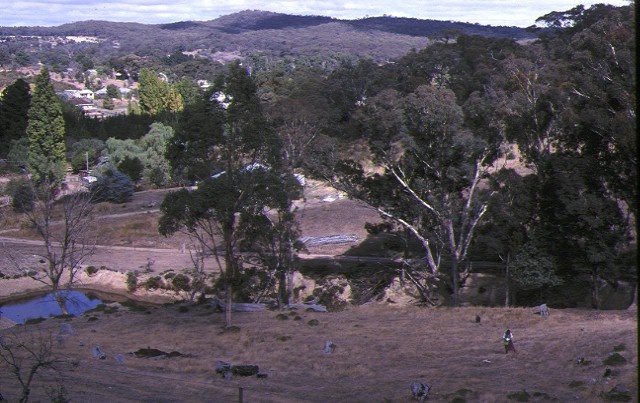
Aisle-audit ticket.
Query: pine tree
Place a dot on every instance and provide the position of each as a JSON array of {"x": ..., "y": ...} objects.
[{"x": 46, "y": 130}]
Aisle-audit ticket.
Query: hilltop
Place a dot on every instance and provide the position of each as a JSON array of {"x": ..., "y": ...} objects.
[{"x": 265, "y": 33}]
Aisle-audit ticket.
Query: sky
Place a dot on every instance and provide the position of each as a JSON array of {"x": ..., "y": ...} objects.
[{"x": 520, "y": 13}]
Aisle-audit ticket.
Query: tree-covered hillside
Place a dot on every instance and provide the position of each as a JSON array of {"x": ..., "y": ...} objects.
[
  {"x": 254, "y": 32},
  {"x": 472, "y": 148}
]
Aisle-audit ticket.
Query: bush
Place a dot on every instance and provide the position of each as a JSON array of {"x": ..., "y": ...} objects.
[
  {"x": 18, "y": 154},
  {"x": 108, "y": 104},
  {"x": 181, "y": 283},
  {"x": 23, "y": 196},
  {"x": 132, "y": 281},
  {"x": 113, "y": 91},
  {"x": 132, "y": 167},
  {"x": 113, "y": 186},
  {"x": 83, "y": 149},
  {"x": 152, "y": 283},
  {"x": 91, "y": 270}
]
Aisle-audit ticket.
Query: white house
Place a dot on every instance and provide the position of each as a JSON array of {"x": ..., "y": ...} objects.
[
  {"x": 88, "y": 94},
  {"x": 123, "y": 91},
  {"x": 78, "y": 94}
]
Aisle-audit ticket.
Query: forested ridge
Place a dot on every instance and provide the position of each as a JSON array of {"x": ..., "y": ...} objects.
[
  {"x": 253, "y": 32},
  {"x": 472, "y": 144}
]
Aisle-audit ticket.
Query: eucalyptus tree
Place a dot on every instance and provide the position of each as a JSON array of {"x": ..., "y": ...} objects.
[
  {"x": 273, "y": 238},
  {"x": 582, "y": 226},
  {"x": 572, "y": 112},
  {"x": 231, "y": 143},
  {"x": 426, "y": 174},
  {"x": 509, "y": 225},
  {"x": 601, "y": 114}
]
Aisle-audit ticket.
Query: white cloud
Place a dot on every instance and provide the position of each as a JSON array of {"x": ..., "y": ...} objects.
[{"x": 486, "y": 12}]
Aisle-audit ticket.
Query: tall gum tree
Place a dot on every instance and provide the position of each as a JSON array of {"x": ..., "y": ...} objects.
[
  {"x": 227, "y": 136},
  {"x": 427, "y": 175}
]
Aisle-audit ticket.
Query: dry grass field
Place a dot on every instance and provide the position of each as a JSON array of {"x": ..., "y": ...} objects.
[{"x": 380, "y": 350}]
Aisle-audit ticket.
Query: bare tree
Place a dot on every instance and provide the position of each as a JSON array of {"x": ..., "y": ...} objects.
[
  {"x": 25, "y": 356},
  {"x": 196, "y": 282},
  {"x": 65, "y": 226}
]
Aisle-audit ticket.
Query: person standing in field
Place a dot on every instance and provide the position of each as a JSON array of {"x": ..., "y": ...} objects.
[{"x": 507, "y": 340}]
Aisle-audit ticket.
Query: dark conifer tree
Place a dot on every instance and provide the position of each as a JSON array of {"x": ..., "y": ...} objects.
[{"x": 14, "y": 108}]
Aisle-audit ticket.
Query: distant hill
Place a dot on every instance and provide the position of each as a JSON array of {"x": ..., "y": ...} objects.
[{"x": 250, "y": 32}]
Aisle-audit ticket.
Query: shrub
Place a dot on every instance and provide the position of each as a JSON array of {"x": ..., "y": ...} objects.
[
  {"x": 132, "y": 167},
  {"x": 157, "y": 177},
  {"x": 132, "y": 281},
  {"x": 152, "y": 283},
  {"x": 91, "y": 270},
  {"x": 108, "y": 104},
  {"x": 181, "y": 283},
  {"x": 85, "y": 149},
  {"x": 78, "y": 163},
  {"x": 113, "y": 186},
  {"x": 18, "y": 154},
  {"x": 23, "y": 195}
]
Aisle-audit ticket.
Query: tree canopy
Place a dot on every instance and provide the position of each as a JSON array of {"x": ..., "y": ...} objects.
[
  {"x": 15, "y": 102},
  {"x": 46, "y": 133},
  {"x": 240, "y": 158}
]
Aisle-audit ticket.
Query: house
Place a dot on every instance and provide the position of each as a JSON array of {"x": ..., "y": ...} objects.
[
  {"x": 203, "y": 84},
  {"x": 71, "y": 94},
  {"x": 124, "y": 92},
  {"x": 86, "y": 105},
  {"x": 85, "y": 94}
]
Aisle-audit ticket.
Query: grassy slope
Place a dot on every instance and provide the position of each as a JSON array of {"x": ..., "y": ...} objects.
[{"x": 380, "y": 351}]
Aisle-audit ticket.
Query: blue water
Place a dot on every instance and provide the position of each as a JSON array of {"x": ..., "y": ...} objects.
[{"x": 76, "y": 303}]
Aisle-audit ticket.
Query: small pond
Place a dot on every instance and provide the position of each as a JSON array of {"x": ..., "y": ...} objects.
[{"x": 45, "y": 306}]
